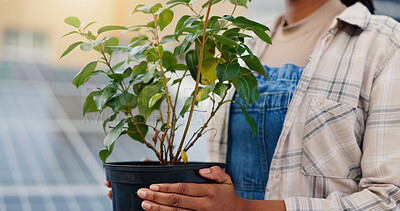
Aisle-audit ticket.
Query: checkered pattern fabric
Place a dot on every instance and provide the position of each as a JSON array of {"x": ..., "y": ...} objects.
[{"x": 339, "y": 148}]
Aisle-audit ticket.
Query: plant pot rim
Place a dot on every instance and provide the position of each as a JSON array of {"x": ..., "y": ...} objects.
[{"x": 137, "y": 166}]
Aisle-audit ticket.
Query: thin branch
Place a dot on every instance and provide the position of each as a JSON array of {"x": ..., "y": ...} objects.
[{"x": 196, "y": 86}]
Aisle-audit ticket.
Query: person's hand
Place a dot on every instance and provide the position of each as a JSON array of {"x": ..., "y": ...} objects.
[
  {"x": 108, "y": 184},
  {"x": 189, "y": 196}
]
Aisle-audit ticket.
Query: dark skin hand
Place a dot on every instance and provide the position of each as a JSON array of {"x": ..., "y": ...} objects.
[{"x": 220, "y": 196}]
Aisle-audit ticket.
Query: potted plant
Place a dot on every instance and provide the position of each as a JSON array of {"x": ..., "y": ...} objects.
[{"x": 211, "y": 47}]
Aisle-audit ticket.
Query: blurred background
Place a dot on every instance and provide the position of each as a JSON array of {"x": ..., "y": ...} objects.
[{"x": 48, "y": 151}]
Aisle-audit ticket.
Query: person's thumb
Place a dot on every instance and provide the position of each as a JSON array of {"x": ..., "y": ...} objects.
[{"x": 215, "y": 173}]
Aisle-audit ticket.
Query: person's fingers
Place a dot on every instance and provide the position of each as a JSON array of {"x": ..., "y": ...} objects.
[
  {"x": 189, "y": 189},
  {"x": 217, "y": 174},
  {"x": 146, "y": 160},
  {"x": 151, "y": 206},
  {"x": 107, "y": 183},
  {"x": 109, "y": 194},
  {"x": 170, "y": 199}
]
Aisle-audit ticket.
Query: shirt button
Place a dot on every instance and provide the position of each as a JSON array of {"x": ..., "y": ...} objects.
[
  {"x": 329, "y": 36},
  {"x": 277, "y": 175}
]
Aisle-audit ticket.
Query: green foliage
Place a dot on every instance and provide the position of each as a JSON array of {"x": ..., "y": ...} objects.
[
  {"x": 227, "y": 72},
  {"x": 249, "y": 120},
  {"x": 145, "y": 96},
  {"x": 104, "y": 95},
  {"x": 148, "y": 9},
  {"x": 89, "y": 105},
  {"x": 87, "y": 46},
  {"x": 73, "y": 21},
  {"x": 140, "y": 72},
  {"x": 165, "y": 18},
  {"x": 111, "y": 28},
  {"x": 70, "y": 48},
  {"x": 114, "y": 133},
  {"x": 246, "y": 86},
  {"x": 84, "y": 74}
]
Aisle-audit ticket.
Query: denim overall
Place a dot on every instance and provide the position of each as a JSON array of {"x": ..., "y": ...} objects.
[{"x": 248, "y": 158}]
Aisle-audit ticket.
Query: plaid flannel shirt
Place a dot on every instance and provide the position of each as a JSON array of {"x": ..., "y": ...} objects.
[{"x": 340, "y": 144}]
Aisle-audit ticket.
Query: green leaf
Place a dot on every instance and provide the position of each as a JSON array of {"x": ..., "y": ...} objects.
[
  {"x": 221, "y": 88},
  {"x": 226, "y": 41},
  {"x": 153, "y": 100},
  {"x": 105, "y": 153},
  {"x": 121, "y": 76},
  {"x": 227, "y": 72},
  {"x": 73, "y": 21},
  {"x": 140, "y": 68},
  {"x": 186, "y": 106},
  {"x": 177, "y": 1},
  {"x": 165, "y": 18},
  {"x": 228, "y": 18},
  {"x": 208, "y": 70},
  {"x": 70, "y": 48},
  {"x": 133, "y": 131},
  {"x": 242, "y": 3},
  {"x": 163, "y": 127},
  {"x": 190, "y": 21},
  {"x": 169, "y": 60},
  {"x": 244, "y": 23},
  {"x": 148, "y": 9},
  {"x": 73, "y": 32},
  {"x": 151, "y": 55},
  {"x": 89, "y": 105},
  {"x": 261, "y": 34},
  {"x": 179, "y": 25},
  {"x": 192, "y": 61},
  {"x": 102, "y": 96},
  {"x": 111, "y": 28},
  {"x": 151, "y": 24},
  {"x": 205, "y": 5},
  {"x": 84, "y": 74},
  {"x": 138, "y": 50},
  {"x": 109, "y": 119},
  {"x": 136, "y": 41},
  {"x": 250, "y": 121},
  {"x": 246, "y": 86},
  {"x": 89, "y": 24},
  {"x": 138, "y": 87},
  {"x": 145, "y": 96},
  {"x": 187, "y": 42},
  {"x": 119, "y": 48},
  {"x": 91, "y": 35},
  {"x": 249, "y": 51},
  {"x": 87, "y": 46},
  {"x": 177, "y": 67},
  {"x": 150, "y": 74},
  {"x": 168, "y": 38},
  {"x": 184, "y": 156},
  {"x": 203, "y": 93},
  {"x": 254, "y": 64},
  {"x": 111, "y": 42},
  {"x": 120, "y": 100},
  {"x": 114, "y": 134}
]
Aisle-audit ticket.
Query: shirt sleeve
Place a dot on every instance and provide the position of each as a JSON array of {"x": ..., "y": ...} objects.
[{"x": 380, "y": 163}]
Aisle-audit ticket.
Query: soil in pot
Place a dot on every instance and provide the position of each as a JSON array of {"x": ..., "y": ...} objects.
[{"x": 128, "y": 177}]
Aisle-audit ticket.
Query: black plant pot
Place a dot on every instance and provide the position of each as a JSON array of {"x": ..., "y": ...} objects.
[{"x": 128, "y": 177}]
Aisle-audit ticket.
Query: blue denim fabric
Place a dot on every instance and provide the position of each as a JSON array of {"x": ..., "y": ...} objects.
[{"x": 249, "y": 159}]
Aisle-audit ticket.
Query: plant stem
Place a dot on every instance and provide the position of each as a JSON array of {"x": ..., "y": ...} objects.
[
  {"x": 196, "y": 86},
  {"x": 143, "y": 139},
  {"x": 175, "y": 119},
  {"x": 199, "y": 134},
  {"x": 164, "y": 78}
]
